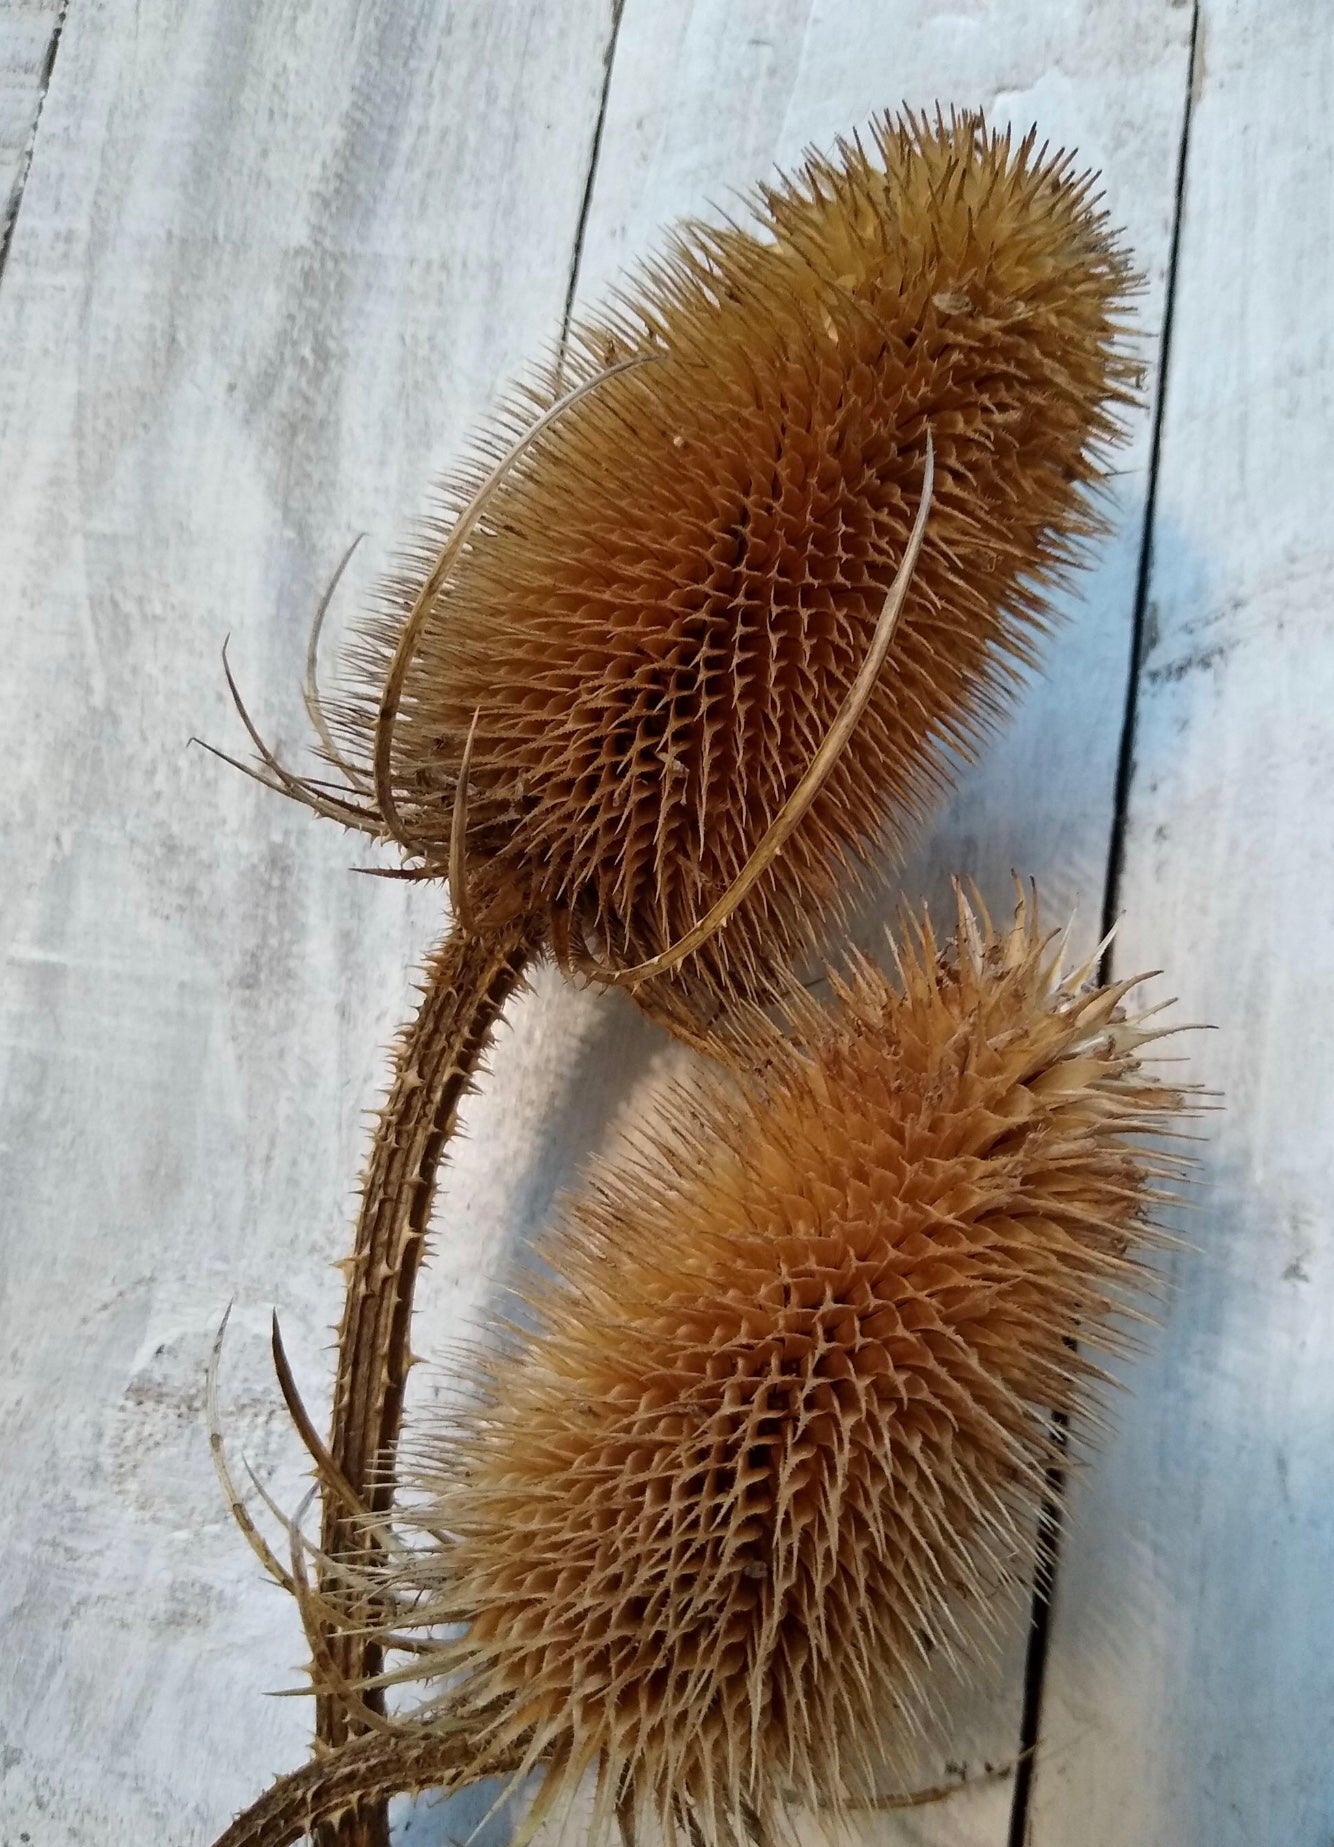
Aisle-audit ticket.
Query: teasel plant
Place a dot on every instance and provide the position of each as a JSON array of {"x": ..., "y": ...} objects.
[
  {"x": 769, "y": 1434},
  {"x": 694, "y": 638}
]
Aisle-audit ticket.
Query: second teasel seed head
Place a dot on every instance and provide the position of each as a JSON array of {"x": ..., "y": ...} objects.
[{"x": 780, "y": 1429}]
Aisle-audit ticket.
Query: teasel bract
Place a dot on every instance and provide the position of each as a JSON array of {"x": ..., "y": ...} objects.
[
  {"x": 675, "y": 614},
  {"x": 774, "y": 1430}
]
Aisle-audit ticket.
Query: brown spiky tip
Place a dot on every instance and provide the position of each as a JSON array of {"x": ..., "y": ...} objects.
[
  {"x": 663, "y": 598},
  {"x": 777, "y": 1431}
]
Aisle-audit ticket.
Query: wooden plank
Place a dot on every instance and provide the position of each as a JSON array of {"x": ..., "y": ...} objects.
[
  {"x": 705, "y": 98},
  {"x": 1191, "y": 1681},
  {"x": 29, "y": 31},
  {"x": 271, "y": 264}
]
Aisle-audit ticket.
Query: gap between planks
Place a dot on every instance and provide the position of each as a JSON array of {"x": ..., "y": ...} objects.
[
  {"x": 1052, "y": 1516},
  {"x": 15, "y": 201},
  {"x": 586, "y": 203}
]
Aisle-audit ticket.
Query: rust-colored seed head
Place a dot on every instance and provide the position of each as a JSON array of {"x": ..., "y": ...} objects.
[
  {"x": 781, "y": 1428},
  {"x": 668, "y": 594}
]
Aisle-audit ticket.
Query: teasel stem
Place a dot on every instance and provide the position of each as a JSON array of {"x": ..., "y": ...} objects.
[
  {"x": 363, "y": 1775},
  {"x": 350, "y": 1786},
  {"x": 468, "y": 980}
]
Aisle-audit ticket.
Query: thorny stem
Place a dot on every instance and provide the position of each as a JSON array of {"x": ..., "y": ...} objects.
[
  {"x": 360, "y": 1777},
  {"x": 355, "y": 1782},
  {"x": 468, "y": 980}
]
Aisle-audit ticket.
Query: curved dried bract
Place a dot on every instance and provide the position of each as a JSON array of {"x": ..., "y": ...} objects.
[
  {"x": 231, "y": 1494},
  {"x": 667, "y": 596},
  {"x": 778, "y": 1432},
  {"x": 460, "y": 899},
  {"x": 310, "y": 691},
  {"x": 790, "y": 815}
]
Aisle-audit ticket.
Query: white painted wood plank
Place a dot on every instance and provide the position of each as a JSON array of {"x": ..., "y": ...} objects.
[
  {"x": 271, "y": 263},
  {"x": 704, "y": 99},
  {"x": 28, "y": 30},
  {"x": 1190, "y": 1693}
]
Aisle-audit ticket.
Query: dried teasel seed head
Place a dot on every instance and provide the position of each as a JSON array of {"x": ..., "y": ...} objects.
[
  {"x": 664, "y": 598},
  {"x": 779, "y": 1429}
]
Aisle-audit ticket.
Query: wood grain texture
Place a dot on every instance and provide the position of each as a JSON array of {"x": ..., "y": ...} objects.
[
  {"x": 29, "y": 30},
  {"x": 271, "y": 264},
  {"x": 1191, "y": 1685}
]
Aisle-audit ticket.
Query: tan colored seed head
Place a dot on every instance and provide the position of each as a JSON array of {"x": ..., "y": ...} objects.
[
  {"x": 668, "y": 594},
  {"x": 781, "y": 1429}
]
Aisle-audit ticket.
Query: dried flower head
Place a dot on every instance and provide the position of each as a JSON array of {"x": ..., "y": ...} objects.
[
  {"x": 780, "y": 1430},
  {"x": 653, "y": 611}
]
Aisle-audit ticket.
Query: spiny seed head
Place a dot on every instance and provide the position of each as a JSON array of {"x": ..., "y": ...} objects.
[
  {"x": 780, "y": 1429},
  {"x": 670, "y": 592}
]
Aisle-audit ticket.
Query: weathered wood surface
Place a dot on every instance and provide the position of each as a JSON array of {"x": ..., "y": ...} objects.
[
  {"x": 1190, "y": 1691},
  {"x": 271, "y": 263},
  {"x": 29, "y": 32}
]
